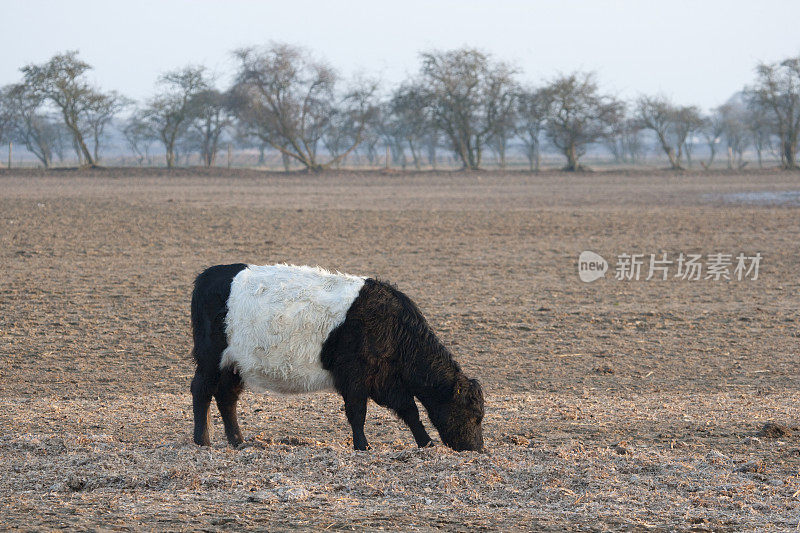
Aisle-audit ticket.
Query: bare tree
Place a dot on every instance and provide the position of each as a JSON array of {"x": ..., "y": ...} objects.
[
  {"x": 100, "y": 111},
  {"x": 672, "y": 125},
  {"x": 734, "y": 118},
  {"x": 711, "y": 131},
  {"x": 392, "y": 133},
  {"x": 625, "y": 141},
  {"x": 338, "y": 136},
  {"x": 168, "y": 113},
  {"x": 165, "y": 122},
  {"x": 631, "y": 140},
  {"x": 190, "y": 142},
  {"x": 371, "y": 136},
  {"x": 407, "y": 119},
  {"x": 469, "y": 96},
  {"x": 287, "y": 99},
  {"x": 284, "y": 98},
  {"x": 211, "y": 114},
  {"x": 688, "y": 122},
  {"x": 760, "y": 125},
  {"x": 62, "y": 81},
  {"x": 501, "y": 99},
  {"x": 532, "y": 111},
  {"x": 62, "y": 140},
  {"x": 657, "y": 113},
  {"x": 579, "y": 115},
  {"x": 777, "y": 90},
  {"x": 355, "y": 109},
  {"x": 431, "y": 143},
  {"x": 242, "y": 139},
  {"x": 6, "y": 115},
  {"x": 27, "y": 123},
  {"x": 139, "y": 138}
]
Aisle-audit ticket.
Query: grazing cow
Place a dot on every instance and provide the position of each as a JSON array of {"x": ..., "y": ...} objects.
[{"x": 293, "y": 329}]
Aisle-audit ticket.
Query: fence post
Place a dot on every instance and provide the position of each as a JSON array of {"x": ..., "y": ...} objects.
[
  {"x": 388, "y": 152},
  {"x": 229, "y": 155},
  {"x": 9, "y": 153}
]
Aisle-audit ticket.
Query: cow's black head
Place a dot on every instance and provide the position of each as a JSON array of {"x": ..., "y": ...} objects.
[{"x": 460, "y": 426}]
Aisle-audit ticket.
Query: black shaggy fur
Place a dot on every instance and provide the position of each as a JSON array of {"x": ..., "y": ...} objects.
[
  {"x": 384, "y": 350},
  {"x": 209, "y": 307}
]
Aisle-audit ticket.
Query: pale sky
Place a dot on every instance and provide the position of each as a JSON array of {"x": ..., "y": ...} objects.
[{"x": 697, "y": 52}]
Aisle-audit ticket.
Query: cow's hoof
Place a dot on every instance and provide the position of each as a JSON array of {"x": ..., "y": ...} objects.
[{"x": 236, "y": 442}]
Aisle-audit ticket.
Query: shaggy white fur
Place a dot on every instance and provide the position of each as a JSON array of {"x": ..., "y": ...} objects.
[{"x": 278, "y": 318}]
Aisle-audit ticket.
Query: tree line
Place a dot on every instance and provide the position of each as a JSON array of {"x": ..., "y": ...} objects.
[{"x": 462, "y": 101}]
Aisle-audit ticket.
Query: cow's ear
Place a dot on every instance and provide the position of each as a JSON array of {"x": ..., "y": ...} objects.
[
  {"x": 461, "y": 390},
  {"x": 475, "y": 390},
  {"x": 475, "y": 397}
]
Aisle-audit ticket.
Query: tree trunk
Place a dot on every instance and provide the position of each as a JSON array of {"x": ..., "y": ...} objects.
[
  {"x": 414, "y": 155},
  {"x": 469, "y": 162},
  {"x": 460, "y": 151},
  {"x": 789, "y": 155},
  {"x": 713, "y": 154},
  {"x": 41, "y": 154},
  {"x": 96, "y": 147},
  {"x": 79, "y": 142},
  {"x": 674, "y": 162},
  {"x": 679, "y": 156},
  {"x": 87, "y": 155},
  {"x": 572, "y": 158}
]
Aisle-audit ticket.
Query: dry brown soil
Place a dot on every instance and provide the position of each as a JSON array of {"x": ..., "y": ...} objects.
[{"x": 621, "y": 405}]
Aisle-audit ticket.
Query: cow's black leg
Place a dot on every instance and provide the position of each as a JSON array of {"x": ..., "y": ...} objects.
[
  {"x": 355, "y": 406},
  {"x": 410, "y": 415},
  {"x": 228, "y": 391},
  {"x": 203, "y": 388}
]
